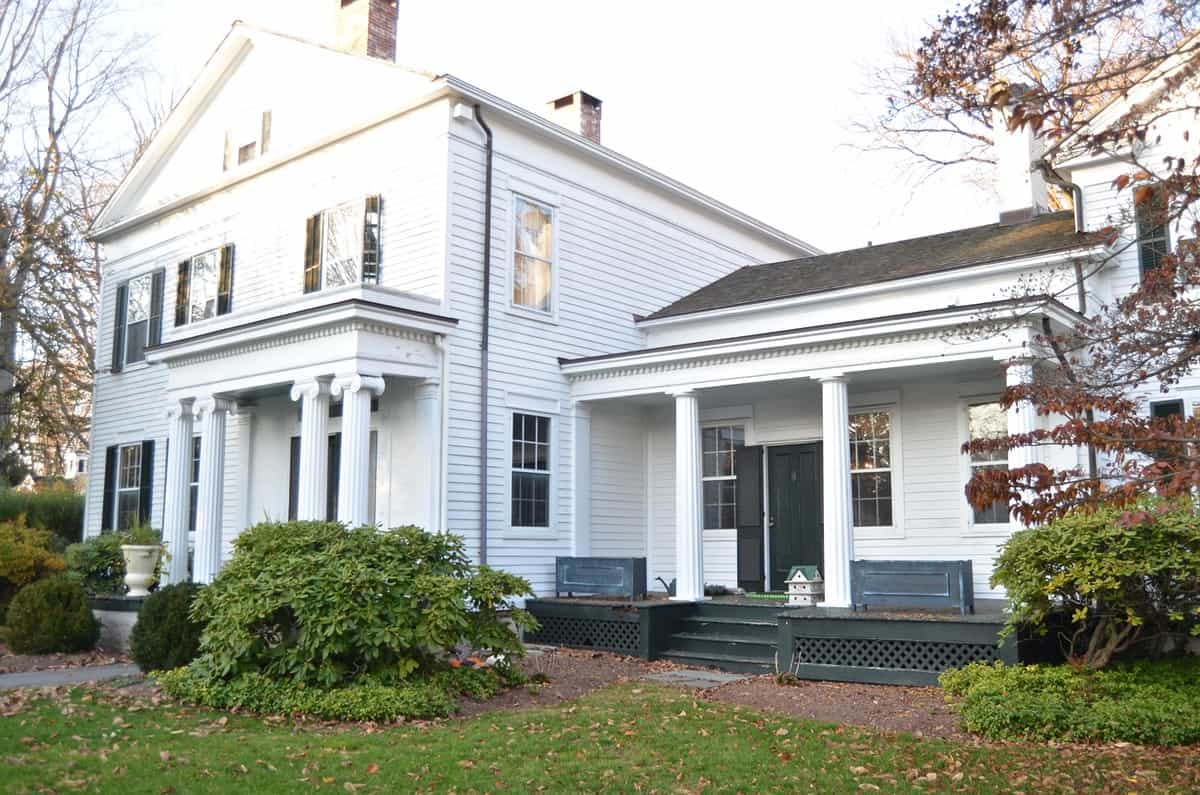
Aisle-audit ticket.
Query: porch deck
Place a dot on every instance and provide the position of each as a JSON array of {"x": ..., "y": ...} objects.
[{"x": 738, "y": 633}]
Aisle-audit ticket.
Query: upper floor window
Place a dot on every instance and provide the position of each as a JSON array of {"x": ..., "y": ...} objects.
[
  {"x": 204, "y": 288},
  {"x": 1153, "y": 232},
  {"x": 249, "y": 138},
  {"x": 717, "y": 447},
  {"x": 988, "y": 421},
  {"x": 137, "y": 318},
  {"x": 871, "y": 468},
  {"x": 533, "y": 255},
  {"x": 342, "y": 245},
  {"x": 530, "y": 470}
]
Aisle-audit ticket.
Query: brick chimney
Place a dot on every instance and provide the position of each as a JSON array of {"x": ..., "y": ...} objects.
[
  {"x": 368, "y": 27},
  {"x": 579, "y": 113},
  {"x": 1022, "y": 188}
]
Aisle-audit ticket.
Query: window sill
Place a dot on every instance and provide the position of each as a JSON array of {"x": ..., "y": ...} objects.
[
  {"x": 131, "y": 368},
  {"x": 529, "y": 533},
  {"x": 549, "y": 318},
  {"x": 989, "y": 530},
  {"x": 879, "y": 532}
]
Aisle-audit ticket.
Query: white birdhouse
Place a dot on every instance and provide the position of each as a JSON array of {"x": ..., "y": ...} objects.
[{"x": 805, "y": 586}]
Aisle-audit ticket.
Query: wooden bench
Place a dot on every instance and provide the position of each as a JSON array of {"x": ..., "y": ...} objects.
[
  {"x": 920, "y": 584},
  {"x": 601, "y": 576}
]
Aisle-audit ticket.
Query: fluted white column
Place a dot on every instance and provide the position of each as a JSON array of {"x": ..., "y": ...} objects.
[
  {"x": 1022, "y": 416},
  {"x": 689, "y": 524},
  {"x": 177, "y": 497},
  {"x": 313, "y": 394},
  {"x": 835, "y": 477},
  {"x": 211, "y": 413},
  {"x": 354, "y": 485},
  {"x": 429, "y": 451}
]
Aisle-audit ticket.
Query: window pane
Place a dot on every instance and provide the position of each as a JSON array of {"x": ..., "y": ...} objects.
[
  {"x": 341, "y": 245},
  {"x": 534, "y": 233},
  {"x": 138, "y": 308},
  {"x": 531, "y": 283},
  {"x": 135, "y": 341},
  {"x": 127, "y": 509},
  {"x": 131, "y": 467},
  {"x": 530, "y": 499},
  {"x": 708, "y": 440},
  {"x": 987, "y": 421},
  {"x": 202, "y": 289}
]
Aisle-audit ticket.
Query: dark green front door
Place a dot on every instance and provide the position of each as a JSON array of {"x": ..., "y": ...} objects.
[{"x": 794, "y": 488}]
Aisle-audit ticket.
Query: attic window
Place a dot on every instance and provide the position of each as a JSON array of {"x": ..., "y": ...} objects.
[
  {"x": 249, "y": 138},
  {"x": 247, "y": 153}
]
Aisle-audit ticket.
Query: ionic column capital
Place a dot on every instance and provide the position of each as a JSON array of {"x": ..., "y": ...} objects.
[
  {"x": 205, "y": 406},
  {"x": 177, "y": 409},
  {"x": 357, "y": 382},
  {"x": 310, "y": 388},
  {"x": 429, "y": 389},
  {"x": 683, "y": 392}
]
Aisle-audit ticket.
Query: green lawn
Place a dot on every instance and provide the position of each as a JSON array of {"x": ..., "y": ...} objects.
[{"x": 630, "y": 738}]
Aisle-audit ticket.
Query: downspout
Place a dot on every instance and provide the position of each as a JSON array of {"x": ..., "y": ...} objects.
[
  {"x": 484, "y": 333},
  {"x": 1053, "y": 177}
]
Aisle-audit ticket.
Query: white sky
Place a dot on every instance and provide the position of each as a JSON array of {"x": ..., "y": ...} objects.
[{"x": 748, "y": 101}]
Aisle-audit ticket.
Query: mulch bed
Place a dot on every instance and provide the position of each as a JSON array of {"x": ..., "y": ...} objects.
[{"x": 11, "y": 663}]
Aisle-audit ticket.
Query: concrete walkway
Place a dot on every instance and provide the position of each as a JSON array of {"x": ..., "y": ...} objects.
[
  {"x": 66, "y": 676},
  {"x": 694, "y": 678}
]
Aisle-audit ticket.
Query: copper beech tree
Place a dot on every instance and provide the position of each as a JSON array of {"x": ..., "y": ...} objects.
[{"x": 1073, "y": 58}]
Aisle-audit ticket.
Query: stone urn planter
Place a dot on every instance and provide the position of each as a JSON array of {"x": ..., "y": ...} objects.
[{"x": 141, "y": 562}]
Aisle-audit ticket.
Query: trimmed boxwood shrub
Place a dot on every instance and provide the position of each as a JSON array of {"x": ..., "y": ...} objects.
[
  {"x": 51, "y": 616},
  {"x": 26, "y": 555},
  {"x": 58, "y": 509},
  {"x": 165, "y": 635},
  {"x": 1148, "y": 702},
  {"x": 98, "y": 565}
]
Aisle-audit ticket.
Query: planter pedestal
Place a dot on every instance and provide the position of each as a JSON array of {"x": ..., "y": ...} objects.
[{"x": 117, "y": 615}]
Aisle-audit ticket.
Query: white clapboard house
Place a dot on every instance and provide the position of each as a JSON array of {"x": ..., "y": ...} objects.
[{"x": 335, "y": 287}]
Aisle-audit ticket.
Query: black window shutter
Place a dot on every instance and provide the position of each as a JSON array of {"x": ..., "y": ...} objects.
[
  {"x": 312, "y": 254},
  {"x": 110, "y": 488},
  {"x": 294, "y": 481},
  {"x": 146, "y": 487},
  {"x": 157, "y": 282},
  {"x": 370, "y": 253},
  {"x": 183, "y": 292},
  {"x": 747, "y": 465},
  {"x": 118, "y": 352},
  {"x": 332, "y": 480},
  {"x": 225, "y": 283}
]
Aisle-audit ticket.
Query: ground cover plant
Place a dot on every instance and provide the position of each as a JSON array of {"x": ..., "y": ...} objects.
[
  {"x": 316, "y": 618},
  {"x": 1151, "y": 702},
  {"x": 636, "y": 737}
]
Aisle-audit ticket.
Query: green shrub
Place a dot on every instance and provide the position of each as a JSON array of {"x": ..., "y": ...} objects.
[
  {"x": 1125, "y": 578},
  {"x": 51, "y": 616},
  {"x": 1148, "y": 702},
  {"x": 97, "y": 564},
  {"x": 165, "y": 636},
  {"x": 58, "y": 509},
  {"x": 26, "y": 555},
  {"x": 318, "y": 604}
]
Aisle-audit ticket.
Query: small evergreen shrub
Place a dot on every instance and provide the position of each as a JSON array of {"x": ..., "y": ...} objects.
[
  {"x": 98, "y": 565},
  {"x": 51, "y": 616},
  {"x": 165, "y": 635},
  {"x": 26, "y": 555},
  {"x": 1146, "y": 702},
  {"x": 58, "y": 509}
]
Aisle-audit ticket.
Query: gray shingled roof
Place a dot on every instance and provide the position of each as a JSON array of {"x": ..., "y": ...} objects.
[{"x": 961, "y": 248}]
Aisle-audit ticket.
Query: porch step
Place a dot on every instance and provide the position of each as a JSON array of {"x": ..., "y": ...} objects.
[
  {"x": 740, "y": 610},
  {"x": 724, "y": 643},
  {"x": 760, "y": 629},
  {"x": 723, "y": 662}
]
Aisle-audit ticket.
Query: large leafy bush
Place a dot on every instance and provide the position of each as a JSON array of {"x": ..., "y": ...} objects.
[
  {"x": 57, "y": 508},
  {"x": 165, "y": 635},
  {"x": 98, "y": 565},
  {"x": 26, "y": 555},
  {"x": 1123, "y": 577},
  {"x": 51, "y": 616},
  {"x": 1151, "y": 702},
  {"x": 318, "y": 604}
]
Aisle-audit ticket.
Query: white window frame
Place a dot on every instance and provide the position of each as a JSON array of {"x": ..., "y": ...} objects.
[
  {"x": 148, "y": 278},
  {"x": 896, "y": 528},
  {"x": 353, "y": 203},
  {"x": 136, "y": 447},
  {"x": 705, "y": 426},
  {"x": 537, "y": 408},
  {"x": 966, "y": 469},
  {"x": 551, "y": 205},
  {"x": 192, "y": 298}
]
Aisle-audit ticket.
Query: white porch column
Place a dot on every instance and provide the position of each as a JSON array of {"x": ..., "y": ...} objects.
[
  {"x": 177, "y": 497},
  {"x": 429, "y": 451},
  {"x": 211, "y": 413},
  {"x": 1022, "y": 418},
  {"x": 689, "y": 532},
  {"x": 835, "y": 477},
  {"x": 354, "y": 486},
  {"x": 581, "y": 462},
  {"x": 313, "y": 395}
]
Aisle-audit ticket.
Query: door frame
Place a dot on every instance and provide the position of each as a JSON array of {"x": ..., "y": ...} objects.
[{"x": 768, "y": 586}]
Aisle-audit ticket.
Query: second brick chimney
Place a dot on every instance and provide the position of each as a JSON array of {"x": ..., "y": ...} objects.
[
  {"x": 368, "y": 27},
  {"x": 579, "y": 113}
]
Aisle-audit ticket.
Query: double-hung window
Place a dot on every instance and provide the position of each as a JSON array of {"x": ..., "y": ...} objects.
[
  {"x": 1153, "y": 234},
  {"x": 129, "y": 486},
  {"x": 533, "y": 255},
  {"x": 137, "y": 317},
  {"x": 871, "y": 468},
  {"x": 719, "y": 476},
  {"x": 194, "y": 485},
  {"x": 530, "y": 470},
  {"x": 342, "y": 245},
  {"x": 204, "y": 287},
  {"x": 988, "y": 421}
]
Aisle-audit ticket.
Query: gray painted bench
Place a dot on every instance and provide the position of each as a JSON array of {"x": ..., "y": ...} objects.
[
  {"x": 927, "y": 584},
  {"x": 607, "y": 576}
]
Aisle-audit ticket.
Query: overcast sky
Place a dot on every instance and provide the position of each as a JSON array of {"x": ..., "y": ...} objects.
[{"x": 747, "y": 101}]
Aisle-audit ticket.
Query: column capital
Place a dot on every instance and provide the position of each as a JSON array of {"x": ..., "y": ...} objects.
[
  {"x": 356, "y": 382},
  {"x": 212, "y": 405},
  {"x": 179, "y": 407},
  {"x": 831, "y": 378},
  {"x": 683, "y": 391},
  {"x": 429, "y": 389},
  {"x": 310, "y": 387}
]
